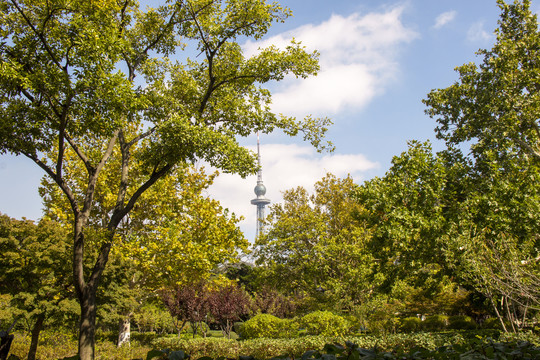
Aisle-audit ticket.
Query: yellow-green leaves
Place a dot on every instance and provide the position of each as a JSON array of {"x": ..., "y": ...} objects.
[
  {"x": 315, "y": 246},
  {"x": 109, "y": 98}
]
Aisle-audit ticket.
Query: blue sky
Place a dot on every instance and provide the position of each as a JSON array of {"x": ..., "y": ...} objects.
[{"x": 379, "y": 59}]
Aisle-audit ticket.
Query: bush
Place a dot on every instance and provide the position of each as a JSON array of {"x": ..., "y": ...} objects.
[
  {"x": 356, "y": 325},
  {"x": 495, "y": 323},
  {"x": 266, "y": 326},
  {"x": 461, "y": 322},
  {"x": 435, "y": 323},
  {"x": 238, "y": 328},
  {"x": 324, "y": 323},
  {"x": 382, "y": 322},
  {"x": 410, "y": 324}
]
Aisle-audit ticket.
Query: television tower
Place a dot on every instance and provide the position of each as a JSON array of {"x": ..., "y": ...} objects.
[{"x": 260, "y": 190}]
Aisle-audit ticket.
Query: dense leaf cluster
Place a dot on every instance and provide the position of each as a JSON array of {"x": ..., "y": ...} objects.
[{"x": 486, "y": 350}]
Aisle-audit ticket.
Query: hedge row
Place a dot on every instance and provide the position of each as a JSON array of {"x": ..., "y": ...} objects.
[
  {"x": 488, "y": 350},
  {"x": 268, "y": 348},
  {"x": 328, "y": 324}
]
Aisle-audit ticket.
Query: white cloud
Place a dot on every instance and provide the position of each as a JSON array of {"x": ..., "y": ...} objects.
[
  {"x": 358, "y": 58},
  {"x": 444, "y": 19},
  {"x": 478, "y": 33},
  {"x": 284, "y": 167}
]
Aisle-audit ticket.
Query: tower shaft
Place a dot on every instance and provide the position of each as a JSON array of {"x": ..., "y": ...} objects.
[{"x": 260, "y": 190}]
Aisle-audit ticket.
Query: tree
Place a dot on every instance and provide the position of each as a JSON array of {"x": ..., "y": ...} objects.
[
  {"x": 35, "y": 271},
  {"x": 406, "y": 209},
  {"x": 188, "y": 303},
  {"x": 176, "y": 235},
  {"x": 494, "y": 106},
  {"x": 68, "y": 84},
  {"x": 492, "y": 110},
  {"x": 228, "y": 304},
  {"x": 315, "y": 246}
]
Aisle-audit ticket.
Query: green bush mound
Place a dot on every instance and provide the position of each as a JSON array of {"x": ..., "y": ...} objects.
[
  {"x": 462, "y": 322},
  {"x": 267, "y": 326},
  {"x": 436, "y": 323},
  {"x": 324, "y": 323},
  {"x": 410, "y": 324}
]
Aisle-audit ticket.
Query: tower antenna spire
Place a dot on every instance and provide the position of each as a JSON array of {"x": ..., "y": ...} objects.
[{"x": 260, "y": 190}]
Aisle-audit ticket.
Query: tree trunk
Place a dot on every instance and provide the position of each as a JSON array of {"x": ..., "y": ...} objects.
[
  {"x": 35, "y": 336},
  {"x": 124, "y": 331},
  {"x": 87, "y": 324},
  {"x": 5, "y": 344},
  {"x": 499, "y": 316}
]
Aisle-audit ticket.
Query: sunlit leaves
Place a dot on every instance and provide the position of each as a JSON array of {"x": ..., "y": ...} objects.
[
  {"x": 406, "y": 209},
  {"x": 91, "y": 93},
  {"x": 494, "y": 105},
  {"x": 314, "y": 244}
]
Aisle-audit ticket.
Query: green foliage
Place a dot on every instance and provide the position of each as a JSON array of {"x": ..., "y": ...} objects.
[
  {"x": 382, "y": 322},
  {"x": 153, "y": 318},
  {"x": 461, "y": 322},
  {"x": 405, "y": 209},
  {"x": 315, "y": 247},
  {"x": 473, "y": 349},
  {"x": 35, "y": 275},
  {"x": 68, "y": 91},
  {"x": 435, "y": 323},
  {"x": 63, "y": 344},
  {"x": 410, "y": 324},
  {"x": 494, "y": 323},
  {"x": 166, "y": 354},
  {"x": 267, "y": 326},
  {"x": 524, "y": 336},
  {"x": 491, "y": 113},
  {"x": 324, "y": 323}
]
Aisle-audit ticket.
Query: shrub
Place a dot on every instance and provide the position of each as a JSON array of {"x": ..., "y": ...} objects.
[
  {"x": 356, "y": 325},
  {"x": 324, "y": 323},
  {"x": 238, "y": 328},
  {"x": 435, "y": 322},
  {"x": 495, "y": 323},
  {"x": 461, "y": 322},
  {"x": 410, "y": 324},
  {"x": 266, "y": 326},
  {"x": 382, "y": 322}
]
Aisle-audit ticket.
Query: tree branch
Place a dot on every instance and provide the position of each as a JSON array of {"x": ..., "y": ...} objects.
[
  {"x": 38, "y": 34},
  {"x": 155, "y": 176},
  {"x": 79, "y": 153},
  {"x": 93, "y": 176},
  {"x": 124, "y": 149},
  {"x": 58, "y": 180},
  {"x": 117, "y": 216},
  {"x": 141, "y": 136}
]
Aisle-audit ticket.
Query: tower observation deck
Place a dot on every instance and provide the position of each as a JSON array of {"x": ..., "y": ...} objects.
[{"x": 260, "y": 190}]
